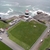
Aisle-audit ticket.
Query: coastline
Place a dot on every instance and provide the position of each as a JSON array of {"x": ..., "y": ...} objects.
[
  {"x": 11, "y": 16},
  {"x": 34, "y": 14}
]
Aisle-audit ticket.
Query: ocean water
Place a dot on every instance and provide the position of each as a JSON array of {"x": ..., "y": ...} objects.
[{"x": 18, "y": 7}]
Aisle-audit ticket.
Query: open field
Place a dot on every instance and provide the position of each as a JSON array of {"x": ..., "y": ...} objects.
[
  {"x": 3, "y": 25},
  {"x": 4, "y": 47},
  {"x": 26, "y": 33},
  {"x": 45, "y": 44}
]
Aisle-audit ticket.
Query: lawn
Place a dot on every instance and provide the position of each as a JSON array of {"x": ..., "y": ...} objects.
[
  {"x": 3, "y": 25},
  {"x": 4, "y": 47},
  {"x": 45, "y": 44},
  {"x": 25, "y": 33}
]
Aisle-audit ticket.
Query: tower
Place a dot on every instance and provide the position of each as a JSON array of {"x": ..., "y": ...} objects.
[{"x": 26, "y": 13}]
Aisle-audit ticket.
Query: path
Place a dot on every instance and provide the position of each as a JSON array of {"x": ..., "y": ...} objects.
[
  {"x": 43, "y": 36},
  {"x": 10, "y": 43}
]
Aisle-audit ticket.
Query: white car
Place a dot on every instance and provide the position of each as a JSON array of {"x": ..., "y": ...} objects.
[
  {"x": 41, "y": 40},
  {"x": 48, "y": 30},
  {"x": 0, "y": 38}
]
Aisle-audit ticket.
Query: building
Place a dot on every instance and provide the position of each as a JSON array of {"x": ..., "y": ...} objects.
[{"x": 26, "y": 13}]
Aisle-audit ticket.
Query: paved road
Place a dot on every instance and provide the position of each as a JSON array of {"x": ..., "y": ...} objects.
[
  {"x": 36, "y": 44},
  {"x": 10, "y": 43}
]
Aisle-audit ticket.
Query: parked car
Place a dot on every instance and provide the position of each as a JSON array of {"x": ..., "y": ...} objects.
[
  {"x": 48, "y": 30},
  {"x": 0, "y": 38},
  {"x": 41, "y": 40}
]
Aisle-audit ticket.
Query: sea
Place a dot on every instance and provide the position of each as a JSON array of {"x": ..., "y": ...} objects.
[{"x": 18, "y": 7}]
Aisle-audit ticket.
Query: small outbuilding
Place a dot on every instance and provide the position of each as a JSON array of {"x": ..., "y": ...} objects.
[{"x": 2, "y": 30}]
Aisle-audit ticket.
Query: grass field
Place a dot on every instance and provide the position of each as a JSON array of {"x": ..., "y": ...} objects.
[
  {"x": 25, "y": 34},
  {"x": 3, "y": 25},
  {"x": 45, "y": 44},
  {"x": 4, "y": 47}
]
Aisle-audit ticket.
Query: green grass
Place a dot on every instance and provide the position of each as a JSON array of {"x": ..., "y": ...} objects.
[
  {"x": 25, "y": 34},
  {"x": 45, "y": 44},
  {"x": 3, "y": 25},
  {"x": 4, "y": 47}
]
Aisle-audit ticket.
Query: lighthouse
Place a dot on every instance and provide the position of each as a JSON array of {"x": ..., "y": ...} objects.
[{"x": 26, "y": 13}]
